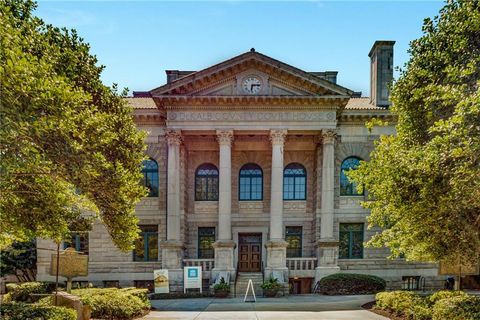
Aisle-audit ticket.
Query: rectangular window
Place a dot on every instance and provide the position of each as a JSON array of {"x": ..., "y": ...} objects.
[
  {"x": 351, "y": 241},
  {"x": 111, "y": 284},
  {"x": 144, "y": 284},
  {"x": 78, "y": 241},
  {"x": 146, "y": 246},
  {"x": 206, "y": 237},
  {"x": 293, "y": 236}
]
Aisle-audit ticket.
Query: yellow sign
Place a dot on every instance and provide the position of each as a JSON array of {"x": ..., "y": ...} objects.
[
  {"x": 70, "y": 264},
  {"x": 160, "y": 281}
]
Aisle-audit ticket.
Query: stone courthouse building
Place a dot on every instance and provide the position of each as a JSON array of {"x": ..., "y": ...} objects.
[{"x": 247, "y": 178}]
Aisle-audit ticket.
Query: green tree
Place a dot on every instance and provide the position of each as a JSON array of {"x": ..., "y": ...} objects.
[
  {"x": 68, "y": 143},
  {"x": 424, "y": 182},
  {"x": 19, "y": 259}
]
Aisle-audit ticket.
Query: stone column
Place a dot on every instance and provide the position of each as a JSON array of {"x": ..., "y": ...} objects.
[
  {"x": 277, "y": 246},
  {"x": 224, "y": 246},
  {"x": 327, "y": 246},
  {"x": 172, "y": 248}
]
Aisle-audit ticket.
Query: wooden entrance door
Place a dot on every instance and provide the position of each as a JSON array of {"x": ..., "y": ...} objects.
[{"x": 250, "y": 252}]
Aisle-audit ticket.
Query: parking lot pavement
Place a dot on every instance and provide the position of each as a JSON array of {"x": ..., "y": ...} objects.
[{"x": 291, "y": 307}]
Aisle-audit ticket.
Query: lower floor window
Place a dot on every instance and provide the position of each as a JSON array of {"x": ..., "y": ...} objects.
[
  {"x": 111, "y": 284},
  {"x": 351, "y": 241},
  {"x": 206, "y": 238},
  {"x": 144, "y": 284},
  {"x": 293, "y": 236},
  {"x": 77, "y": 241},
  {"x": 146, "y": 246}
]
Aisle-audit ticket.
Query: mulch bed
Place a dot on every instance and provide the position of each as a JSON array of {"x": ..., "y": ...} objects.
[{"x": 370, "y": 306}]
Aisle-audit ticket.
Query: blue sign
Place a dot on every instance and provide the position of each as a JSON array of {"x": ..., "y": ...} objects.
[{"x": 193, "y": 273}]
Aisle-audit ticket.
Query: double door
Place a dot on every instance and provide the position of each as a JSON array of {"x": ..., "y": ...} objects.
[{"x": 250, "y": 252}]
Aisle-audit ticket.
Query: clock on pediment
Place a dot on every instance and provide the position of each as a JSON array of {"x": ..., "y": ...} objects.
[{"x": 252, "y": 85}]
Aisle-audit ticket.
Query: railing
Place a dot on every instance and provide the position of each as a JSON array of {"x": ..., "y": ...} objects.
[
  {"x": 206, "y": 264},
  {"x": 301, "y": 263},
  {"x": 235, "y": 282}
]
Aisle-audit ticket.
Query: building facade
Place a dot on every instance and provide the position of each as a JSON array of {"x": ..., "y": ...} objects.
[{"x": 247, "y": 174}]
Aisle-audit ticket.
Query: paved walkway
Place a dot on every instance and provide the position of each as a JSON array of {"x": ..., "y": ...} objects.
[{"x": 292, "y": 307}]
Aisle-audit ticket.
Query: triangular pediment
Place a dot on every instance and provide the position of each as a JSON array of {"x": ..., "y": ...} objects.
[{"x": 229, "y": 78}]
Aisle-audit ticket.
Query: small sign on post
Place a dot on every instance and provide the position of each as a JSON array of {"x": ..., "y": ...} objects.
[
  {"x": 192, "y": 278},
  {"x": 160, "y": 281},
  {"x": 71, "y": 264}
]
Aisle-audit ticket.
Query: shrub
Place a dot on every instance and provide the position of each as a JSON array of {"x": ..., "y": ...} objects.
[
  {"x": 406, "y": 303},
  {"x": 22, "y": 311},
  {"x": 271, "y": 284},
  {"x": 351, "y": 283},
  {"x": 21, "y": 292},
  {"x": 462, "y": 307},
  {"x": 443, "y": 294},
  {"x": 113, "y": 303},
  {"x": 222, "y": 286}
]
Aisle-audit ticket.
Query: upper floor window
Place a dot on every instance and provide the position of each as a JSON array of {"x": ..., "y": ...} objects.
[
  {"x": 251, "y": 182},
  {"x": 150, "y": 177},
  {"x": 348, "y": 188},
  {"x": 78, "y": 241},
  {"x": 294, "y": 182},
  {"x": 206, "y": 183},
  {"x": 146, "y": 246}
]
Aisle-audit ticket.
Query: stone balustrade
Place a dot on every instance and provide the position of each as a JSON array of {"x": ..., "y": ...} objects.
[
  {"x": 206, "y": 264},
  {"x": 296, "y": 264}
]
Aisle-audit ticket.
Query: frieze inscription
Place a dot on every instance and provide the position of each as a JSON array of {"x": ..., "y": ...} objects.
[{"x": 251, "y": 116}]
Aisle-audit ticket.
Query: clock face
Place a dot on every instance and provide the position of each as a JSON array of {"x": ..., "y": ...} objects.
[{"x": 252, "y": 85}]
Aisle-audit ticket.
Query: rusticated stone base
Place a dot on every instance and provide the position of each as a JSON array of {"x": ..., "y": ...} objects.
[{"x": 224, "y": 258}]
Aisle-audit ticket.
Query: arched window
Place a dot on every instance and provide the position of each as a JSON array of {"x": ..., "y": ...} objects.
[
  {"x": 251, "y": 182},
  {"x": 206, "y": 183},
  {"x": 348, "y": 188},
  {"x": 150, "y": 177},
  {"x": 294, "y": 182}
]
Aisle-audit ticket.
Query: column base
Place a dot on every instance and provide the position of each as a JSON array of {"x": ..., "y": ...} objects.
[
  {"x": 327, "y": 252},
  {"x": 172, "y": 254},
  {"x": 276, "y": 259},
  {"x": 224, "y": 258}
]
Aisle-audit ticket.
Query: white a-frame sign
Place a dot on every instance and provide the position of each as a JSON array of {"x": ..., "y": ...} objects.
[{"x": 252, "y": 297}]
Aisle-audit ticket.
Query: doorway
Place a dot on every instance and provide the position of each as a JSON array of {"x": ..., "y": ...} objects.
[{"x": 250, "y": 252}]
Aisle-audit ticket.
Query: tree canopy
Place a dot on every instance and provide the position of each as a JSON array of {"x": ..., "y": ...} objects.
[
  {"x": 68, "y": 143},
  {"x": 424, "y": 182}
]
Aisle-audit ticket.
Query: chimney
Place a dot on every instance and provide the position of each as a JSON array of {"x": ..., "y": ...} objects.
[{"x": 381, "y": 72}]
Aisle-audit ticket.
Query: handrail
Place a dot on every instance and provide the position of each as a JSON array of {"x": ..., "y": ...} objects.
[
  {"x": 263, "y": 273},
  {"x": 235, "y": 282}
]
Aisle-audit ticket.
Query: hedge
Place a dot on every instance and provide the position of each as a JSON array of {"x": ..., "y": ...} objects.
[
  {"x": 463, "y": 307},
  {"x": 113, "y": 303},
  {"x": 22, "y": 292},
  {"x": 23, "y": 311},
  {"x": 405, "y": 303},
  {"x": 351, "y": 283},
  {"x": 451, "y": 305}
]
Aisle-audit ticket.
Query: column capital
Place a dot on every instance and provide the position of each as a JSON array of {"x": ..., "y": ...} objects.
[
  {"x": 225, "y": 137},
  {"x": 277, "y": 137},
  {"x": 174, "y": 137},
  {"x": 328, "y": 136}
]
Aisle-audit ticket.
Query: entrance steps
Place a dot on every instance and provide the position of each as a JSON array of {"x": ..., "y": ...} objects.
[{"x": 242, "y": 283}]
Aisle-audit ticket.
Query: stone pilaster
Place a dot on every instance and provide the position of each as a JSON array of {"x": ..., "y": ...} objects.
[
  {"x": 172, "y": 249},
  {"x": 276, "y": 246},
  {"x": 327, "y": 246},
  {"x": 224, "y": 246}
]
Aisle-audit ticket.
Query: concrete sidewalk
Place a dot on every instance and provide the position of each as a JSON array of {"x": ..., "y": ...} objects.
[{"x": 291, "y": 307}]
